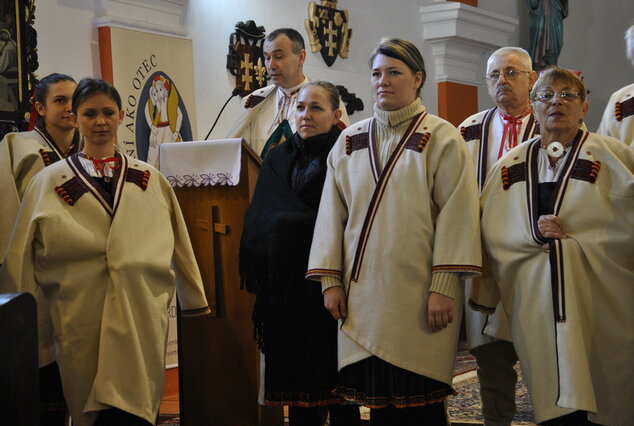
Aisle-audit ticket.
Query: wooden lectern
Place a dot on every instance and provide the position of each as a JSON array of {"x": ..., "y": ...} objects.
[
  {"x": 218, "y": 356},
  {"x": 19, "y": 386}
]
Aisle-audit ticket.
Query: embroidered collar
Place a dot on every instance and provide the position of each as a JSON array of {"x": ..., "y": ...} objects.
[
  {"x": 293, "y": 90},
  {"x": 102, "y": 166}
]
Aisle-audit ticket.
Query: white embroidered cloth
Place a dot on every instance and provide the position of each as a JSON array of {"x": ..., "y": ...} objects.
[{"x": 203, "y": 163}]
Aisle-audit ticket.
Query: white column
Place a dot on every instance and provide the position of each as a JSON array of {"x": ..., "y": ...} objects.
[
  {"x": 462, "y": 36},
  {"x": 161, "y": 16}
]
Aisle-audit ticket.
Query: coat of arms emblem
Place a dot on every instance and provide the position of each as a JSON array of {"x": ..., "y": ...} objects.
[
  {"x": 328, "y": 30},
  {"x": 246, "y": 57}
]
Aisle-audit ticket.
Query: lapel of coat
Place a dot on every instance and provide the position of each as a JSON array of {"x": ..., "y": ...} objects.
[
  {"x": 110, "y": 203},
  {"x": 381, "y": 177},
  {"x": 555, "y": 250}
]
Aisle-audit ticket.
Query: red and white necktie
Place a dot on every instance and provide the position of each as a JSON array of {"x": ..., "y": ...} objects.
[{"x": 510, "y": 134}]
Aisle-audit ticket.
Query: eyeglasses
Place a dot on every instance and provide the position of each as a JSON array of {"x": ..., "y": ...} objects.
[
  {"x": 547, "y": 96},
  {"x": 509, "y": 74}
]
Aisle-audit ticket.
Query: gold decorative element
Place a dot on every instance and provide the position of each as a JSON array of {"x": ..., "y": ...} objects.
[
  {"x": 247, "y": 66},
  {"x": 260, "y": 73},
  {"x": 328, "y": 30}
]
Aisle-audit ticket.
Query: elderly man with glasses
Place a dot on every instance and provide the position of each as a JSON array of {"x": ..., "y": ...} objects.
[{"x": 489, "y": 135}]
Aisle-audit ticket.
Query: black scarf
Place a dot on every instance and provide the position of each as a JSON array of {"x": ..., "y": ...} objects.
[{"x": 278, "y": 227}]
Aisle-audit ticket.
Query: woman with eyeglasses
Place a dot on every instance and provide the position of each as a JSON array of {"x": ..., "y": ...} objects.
[{"x": 558, "y": 229}]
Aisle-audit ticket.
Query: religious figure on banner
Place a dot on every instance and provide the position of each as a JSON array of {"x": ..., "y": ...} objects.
[
  {"x": 328, "y": 30},
  {"x": 546, "y": 30},
  {"x": 246, "y": 57},
  {"x": 163, "y": 116},
  {"x": 8, "y": 71}
]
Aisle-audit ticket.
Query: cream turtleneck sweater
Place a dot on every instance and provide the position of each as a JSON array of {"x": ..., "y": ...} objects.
[{"x": 390, "y": 128}]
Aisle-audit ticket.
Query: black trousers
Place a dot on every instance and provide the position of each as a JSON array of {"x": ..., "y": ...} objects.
[
  {"x": 52, "y": 404},
  {"x": 578, "y": 418},
  {"x": 116, "y": 417},
  {"x": 340, "y": 415},
  {"x": 427, "y": 415}
]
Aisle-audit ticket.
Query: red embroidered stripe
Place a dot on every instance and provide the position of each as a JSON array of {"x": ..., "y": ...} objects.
[
  {"x": 357, "y": 142},
  {"x": 472, "y": 132},
  {"x": 138, "y": 177},
  {"x": 624, "y": 109},
  {"x": 49, "y": 157},
  {"x": 418, "y": 141},
  {"x": 71, "y": 191},
  {"x": 513, "y": 174},
  {"x": 456, "y": 268},
  {"x": 253, "y": 100},
  {"x": 586, "y": 170},
  {"x": 320, "y": 272}
]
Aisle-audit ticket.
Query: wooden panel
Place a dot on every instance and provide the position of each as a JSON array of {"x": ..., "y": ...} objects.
[
  {"x": 218, "y": 357},
  {"x": 19, "y": 387},
  {"x": 456, "y": 101}
]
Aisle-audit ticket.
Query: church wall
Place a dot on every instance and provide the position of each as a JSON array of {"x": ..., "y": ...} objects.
[
  {"x": 593, "y": 43},
  {"x": 211, "y": 23}
]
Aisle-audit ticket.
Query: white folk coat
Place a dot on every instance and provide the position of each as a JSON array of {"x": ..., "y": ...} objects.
[
  {"x": 22, "y": 155},
  {"x": 383, "y": 232},
  {"x": 618, "y": 117},
  {"x": 477, "y": 133},
  {"x": 571, "y": 310},
  {"x": 108, "y": 274}
]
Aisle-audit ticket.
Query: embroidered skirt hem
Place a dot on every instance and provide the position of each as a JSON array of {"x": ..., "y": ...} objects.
[{"x": 375, "y": 383}]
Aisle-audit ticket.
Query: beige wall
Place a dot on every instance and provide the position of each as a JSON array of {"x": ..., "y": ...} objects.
[{"x": 67, "y": 42}]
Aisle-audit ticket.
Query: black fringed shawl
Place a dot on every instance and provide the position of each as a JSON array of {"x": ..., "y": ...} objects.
[{"x": 278, "y": 230}]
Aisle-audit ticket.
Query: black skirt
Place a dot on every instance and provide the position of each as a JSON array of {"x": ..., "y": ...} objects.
[
  {"x": 300, "y": 364},
  {"x": 377, "y": 384}
]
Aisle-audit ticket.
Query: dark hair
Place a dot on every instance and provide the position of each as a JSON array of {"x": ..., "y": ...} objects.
[
  {"x": 402, "y": 50},
  {"x": 41, "y": 88},
  {"x": 295, "y": 37},
  {"x": 89, "y": 87},
  {"x": 41, "y": 91},
  {"x": 331, "y": 91}
]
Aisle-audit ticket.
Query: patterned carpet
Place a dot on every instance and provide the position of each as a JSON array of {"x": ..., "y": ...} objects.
[{"x": 465, "y": 407}]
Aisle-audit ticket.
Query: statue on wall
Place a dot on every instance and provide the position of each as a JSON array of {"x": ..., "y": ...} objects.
[{"x": 546, "y": 30}]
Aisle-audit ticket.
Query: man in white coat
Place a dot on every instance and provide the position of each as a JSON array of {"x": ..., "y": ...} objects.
[
  {"x": 618, "y": 117},
  {"x": 489, "y": 135},
  {"x": 267, "y": 116}
]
